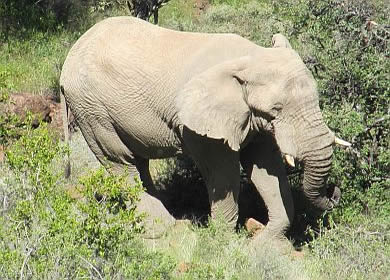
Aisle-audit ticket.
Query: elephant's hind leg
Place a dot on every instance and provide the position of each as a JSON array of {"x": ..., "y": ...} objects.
[
  {"x": 142, "y": 166},
  {"x": 112, "y": 154},
  {"x": 116, "y": 156}
]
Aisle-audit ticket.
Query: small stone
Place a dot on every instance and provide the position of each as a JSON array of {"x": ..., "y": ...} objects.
[
  {"x": 184, "y": 267},
  {"x": 253, "y": 226}
]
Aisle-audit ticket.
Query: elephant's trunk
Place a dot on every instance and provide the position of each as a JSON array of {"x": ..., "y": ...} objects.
[
  {"x": 314, "y": 187},
  {"x": 316, "y": 156}
]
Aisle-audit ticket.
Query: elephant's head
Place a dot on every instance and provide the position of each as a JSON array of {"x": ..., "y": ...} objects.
[{"x": 272, "y": 91}]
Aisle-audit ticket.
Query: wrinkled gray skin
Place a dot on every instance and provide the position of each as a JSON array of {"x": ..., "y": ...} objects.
[{"x": 141, "y": 92}]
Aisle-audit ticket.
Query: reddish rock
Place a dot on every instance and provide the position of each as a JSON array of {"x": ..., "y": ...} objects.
[
  {"x": 254, "y": 227},
  {"x": 184, "y": 267},
  {"x": 22, "y": 103},
  {"x": 43, "y": 108},
  {"x": 55, "y": 116}
]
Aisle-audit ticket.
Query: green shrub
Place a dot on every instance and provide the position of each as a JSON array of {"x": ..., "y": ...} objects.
[
  {"x": 47, "y": 234},
  {"x": 32, "y": 155},
  {"x": 110, "y": 216},
  {"x": 8, "y": 122},
  {"x": 9, "y": 128},
  {"x": 36, "y": 210}
]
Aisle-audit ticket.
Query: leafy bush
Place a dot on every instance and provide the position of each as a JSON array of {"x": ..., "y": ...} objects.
[
  {"x": 35, "y": 208},
  {"x": 32, "y": 154},
  {"x": 9, "y": 128},
  {"x": 47, "y": 234},
  {"x": 7, "y": 122},
  {"x": 110, "y": 217}
]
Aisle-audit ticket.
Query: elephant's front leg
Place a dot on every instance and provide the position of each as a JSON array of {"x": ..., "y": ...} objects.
[
  {"x": 220, "y": 168},
  {"x": 265, "y": 168}
]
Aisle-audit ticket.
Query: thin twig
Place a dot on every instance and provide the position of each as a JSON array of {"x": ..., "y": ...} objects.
[
  {"x": 4, "y": 203},
  {"x": 368, "y": 128},
  {"x": 376, "y": 122},
  {"x": 25, "y": 262},
  {"x": 91, "y": 265},
  {"x": 37, "y": 2},
  {"x": 375, "y": 233}
]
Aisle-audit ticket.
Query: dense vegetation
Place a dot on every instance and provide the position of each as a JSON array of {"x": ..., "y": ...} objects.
[{"x": 89, "y": 228}]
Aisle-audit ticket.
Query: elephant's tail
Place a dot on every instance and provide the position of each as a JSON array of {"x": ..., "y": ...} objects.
[{"x": 65, "y": 124}]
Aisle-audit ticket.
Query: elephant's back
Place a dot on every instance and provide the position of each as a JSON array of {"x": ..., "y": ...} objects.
[
  {"x": 120, "y": 49},
  {"x": 123, "y": 48},
  {"x": 124, "y": 39}
]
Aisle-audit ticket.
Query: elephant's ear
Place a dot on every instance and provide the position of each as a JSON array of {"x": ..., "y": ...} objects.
[
  {"x": 213, "y": 103},
  {"x": 280, "y": 41}
]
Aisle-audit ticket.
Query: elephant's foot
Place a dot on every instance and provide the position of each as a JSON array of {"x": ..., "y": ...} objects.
[
  {"x": 261, "y": 236},
  {"x": 158, "y": 220}
]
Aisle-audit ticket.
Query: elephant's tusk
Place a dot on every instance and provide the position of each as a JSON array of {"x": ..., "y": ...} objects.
[
  {"x": 290, "y": 160},
  {"x": 342, "y": 142}
]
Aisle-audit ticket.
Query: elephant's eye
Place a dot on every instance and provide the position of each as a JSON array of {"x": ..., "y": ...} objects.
[
  {"x": 278, "y": 106},
  {"x": 240, "y": 81},
  {"x": 276, "y": 109}
]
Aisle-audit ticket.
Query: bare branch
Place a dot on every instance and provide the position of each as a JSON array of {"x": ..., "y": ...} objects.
[
  {"x": 25, "y": 262},
  {"x": 92, "y": 266}
]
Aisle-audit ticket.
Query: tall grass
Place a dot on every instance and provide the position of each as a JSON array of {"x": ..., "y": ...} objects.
[{"x": 34, "y": 65}]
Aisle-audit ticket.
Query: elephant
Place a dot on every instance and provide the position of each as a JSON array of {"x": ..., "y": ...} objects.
[{"x": 140, "y": 92}]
